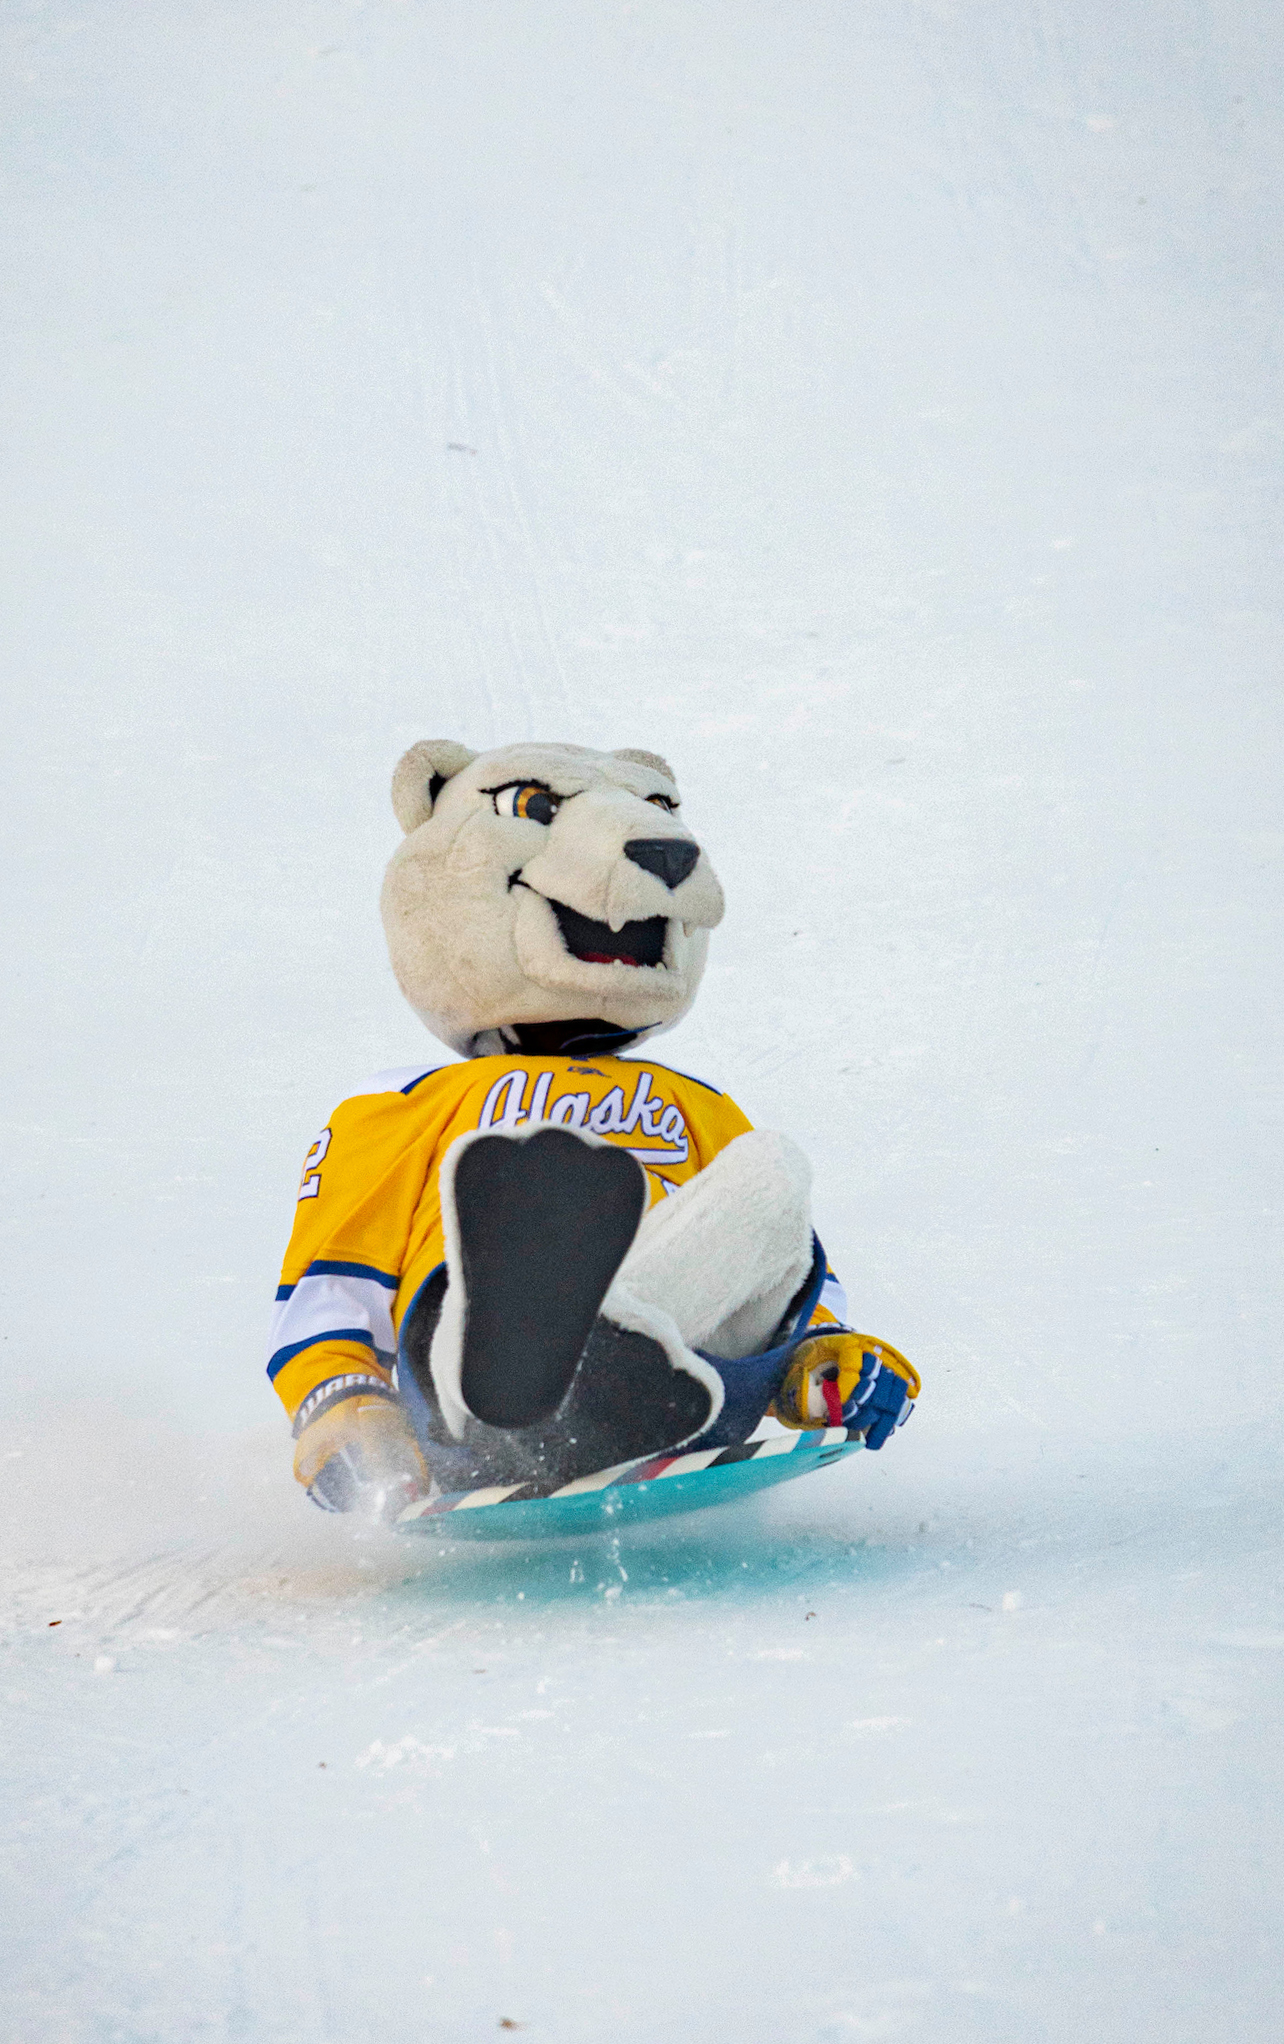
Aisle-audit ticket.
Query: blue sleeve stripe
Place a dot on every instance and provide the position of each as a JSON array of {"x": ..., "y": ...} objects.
[
  {"x": 422, "y": 1076},
  {"x": 283, "y": 1292},
  {"x": 321, "y": 1268},
  {"x": 287, "y": 1355}
]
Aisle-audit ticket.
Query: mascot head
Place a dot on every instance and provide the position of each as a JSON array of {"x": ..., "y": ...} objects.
[{"x": 546, "y": 898}]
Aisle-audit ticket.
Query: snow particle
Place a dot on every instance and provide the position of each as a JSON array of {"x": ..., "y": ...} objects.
[
  {"x": 104, "y": 1664},
  {"x": 1012, "y": 1600},
  {"x": 408, "y": 1751}
]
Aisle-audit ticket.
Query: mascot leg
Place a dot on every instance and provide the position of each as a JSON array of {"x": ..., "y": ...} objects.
[
  {"x": 530, "y": 1377},
  {"x": 725, "y": 1256}
]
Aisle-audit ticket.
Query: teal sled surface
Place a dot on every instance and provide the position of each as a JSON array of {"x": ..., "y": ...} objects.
[{"x": 629, "y": 1495}]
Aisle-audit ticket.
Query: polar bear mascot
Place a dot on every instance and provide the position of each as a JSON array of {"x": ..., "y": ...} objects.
[{"x": 551, "y": 1258}]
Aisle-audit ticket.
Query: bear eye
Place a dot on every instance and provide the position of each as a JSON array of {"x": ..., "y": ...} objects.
[
  {"x": 529, "y": 799},
  {"x": 663, "y": 802}
]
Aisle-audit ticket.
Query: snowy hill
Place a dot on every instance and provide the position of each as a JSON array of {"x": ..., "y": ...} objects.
[{"x": 876, "y": 410}]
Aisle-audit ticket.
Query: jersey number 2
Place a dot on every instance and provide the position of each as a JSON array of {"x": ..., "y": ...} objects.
[{"x": 311, "y": 1186}]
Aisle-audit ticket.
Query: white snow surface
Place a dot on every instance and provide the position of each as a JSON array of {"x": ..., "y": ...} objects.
[{"x": 875, "y": 408}]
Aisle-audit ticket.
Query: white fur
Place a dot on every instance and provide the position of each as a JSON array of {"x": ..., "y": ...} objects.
[
  {"x": 473, "y": 941},
  {"x": 415, "y": 772},
  {"x": 446, "y": 1356},
  {"x": 724, "y": 1255}
]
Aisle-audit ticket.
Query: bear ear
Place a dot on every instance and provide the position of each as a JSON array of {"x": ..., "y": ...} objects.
[
  {"x": 648, "y": 759},
  {"x": 421, "y": 774}
]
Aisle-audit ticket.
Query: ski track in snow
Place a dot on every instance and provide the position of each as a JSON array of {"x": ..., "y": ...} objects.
[{"x": 875, "y": 411}]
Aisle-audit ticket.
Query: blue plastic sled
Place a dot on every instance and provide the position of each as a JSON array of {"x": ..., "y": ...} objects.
[{"x": 630, "y": 1492}]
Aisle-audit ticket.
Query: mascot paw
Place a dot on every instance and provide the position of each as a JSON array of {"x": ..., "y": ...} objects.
[
  {"x": 357, "y": 1454},
  {"x": 847, "y": 1380},
  {"x": 543, "y": 1219}
]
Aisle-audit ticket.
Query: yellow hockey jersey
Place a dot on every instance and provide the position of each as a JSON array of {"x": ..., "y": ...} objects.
[{"x": 367, "y": 1231}]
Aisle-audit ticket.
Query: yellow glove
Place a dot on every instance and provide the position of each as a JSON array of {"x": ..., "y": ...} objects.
[
  {"x": 848, "y": 1380},
  {"x": 358, "y": 1454}
]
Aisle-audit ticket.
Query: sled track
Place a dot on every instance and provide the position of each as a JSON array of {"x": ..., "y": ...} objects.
[{"x": 184, "y": 1592}]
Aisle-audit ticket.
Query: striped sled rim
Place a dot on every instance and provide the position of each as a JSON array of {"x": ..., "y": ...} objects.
[{"x": 648, "y": 1489}]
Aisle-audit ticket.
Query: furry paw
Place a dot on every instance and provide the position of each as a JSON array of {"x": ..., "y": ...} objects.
[{"x": 537, "y": 1223}]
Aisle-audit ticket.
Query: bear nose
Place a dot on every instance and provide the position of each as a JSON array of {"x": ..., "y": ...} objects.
[{"x": 669, "y": 858}]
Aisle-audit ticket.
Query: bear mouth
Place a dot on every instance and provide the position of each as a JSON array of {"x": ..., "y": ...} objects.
[{"x": 593, "y": 943}]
